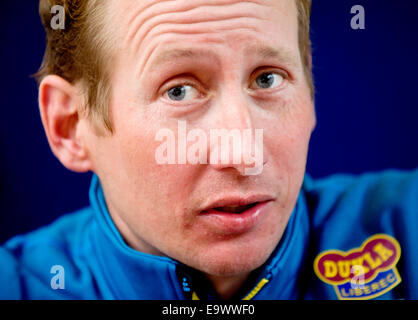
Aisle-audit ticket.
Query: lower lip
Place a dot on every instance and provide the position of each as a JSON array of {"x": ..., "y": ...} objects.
[{"x": 234, "y": 223}]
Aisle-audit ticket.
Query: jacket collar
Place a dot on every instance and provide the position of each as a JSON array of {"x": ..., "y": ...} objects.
[{"x": 130, "y": 274}]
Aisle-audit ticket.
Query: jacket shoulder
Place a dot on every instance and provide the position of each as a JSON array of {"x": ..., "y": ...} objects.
[
  {"x": 27, "y": 261},
  {"x": 369, "y": 195}
]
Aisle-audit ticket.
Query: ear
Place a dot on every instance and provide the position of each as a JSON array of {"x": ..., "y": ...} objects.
[{"x": 59, "y": 104}]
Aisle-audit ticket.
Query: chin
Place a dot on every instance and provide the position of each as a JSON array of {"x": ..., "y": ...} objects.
[{"x": 224, "y": 260}]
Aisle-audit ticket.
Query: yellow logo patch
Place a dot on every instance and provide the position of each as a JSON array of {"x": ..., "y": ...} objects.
[{"x": 361, "y": 273}]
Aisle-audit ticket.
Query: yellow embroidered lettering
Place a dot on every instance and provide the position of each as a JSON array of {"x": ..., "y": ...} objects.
[
  {"x": 330, "y": 269},
  {"x": 344, "y": 268},
  {"x": 382, "y": 251},
  {"x": 372, "y": 263}
]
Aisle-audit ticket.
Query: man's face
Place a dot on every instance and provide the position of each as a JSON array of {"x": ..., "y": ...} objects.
[{"x": 214, "y": 64}]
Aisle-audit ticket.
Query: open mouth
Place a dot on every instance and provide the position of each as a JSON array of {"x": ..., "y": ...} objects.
[
  {"x": 235, "y": 208},
  {"x": 235, "y": 215}
]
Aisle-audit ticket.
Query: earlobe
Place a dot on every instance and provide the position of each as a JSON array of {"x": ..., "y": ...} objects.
[{"x": 59, "y": 105}]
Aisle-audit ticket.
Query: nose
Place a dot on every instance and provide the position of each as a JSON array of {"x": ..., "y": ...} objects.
[{"x": 235, "y": 142}]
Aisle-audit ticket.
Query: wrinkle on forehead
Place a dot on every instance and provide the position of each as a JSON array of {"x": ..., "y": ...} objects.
[
  {"x": 191, "y": 18},
  {"x": 142, "y": 16},
  {"x": 147, "y": 23},
  {"x": 189, "y": 11},
  {"x": 162, "y": 38}
]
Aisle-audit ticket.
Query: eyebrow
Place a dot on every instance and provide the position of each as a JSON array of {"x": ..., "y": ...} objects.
[
  {"x": 178, "y": 54},
  {"x": 284, "y": 55}
]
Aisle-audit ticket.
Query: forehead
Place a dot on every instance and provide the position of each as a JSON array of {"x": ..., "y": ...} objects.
[{"x": 144, "y": 27}]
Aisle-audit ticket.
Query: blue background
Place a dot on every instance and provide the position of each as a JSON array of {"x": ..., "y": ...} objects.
[{"x": 366, "y": 102}]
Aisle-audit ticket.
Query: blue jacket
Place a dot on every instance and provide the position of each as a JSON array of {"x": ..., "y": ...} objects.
[{"x": 349, "y": 237}]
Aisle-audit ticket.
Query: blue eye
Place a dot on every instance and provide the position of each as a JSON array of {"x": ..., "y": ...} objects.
[
  {"x": 177, "y": 93},
  {"x": 182, "y": 93},
  {"x": 269, "y": 80}
]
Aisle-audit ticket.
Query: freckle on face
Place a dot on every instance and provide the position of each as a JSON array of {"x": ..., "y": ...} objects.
[{"x": 157, "y": 207}]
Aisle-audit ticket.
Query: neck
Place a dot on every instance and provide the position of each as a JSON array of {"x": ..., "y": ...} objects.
[{"x": 226, "y": 287}]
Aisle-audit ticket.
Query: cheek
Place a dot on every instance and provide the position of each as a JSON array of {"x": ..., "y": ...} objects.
[
  {"x": 288, "y": 136},
  {"x": 169, "y": 185}
]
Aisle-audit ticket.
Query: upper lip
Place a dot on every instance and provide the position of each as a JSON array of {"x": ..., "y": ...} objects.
[{"x": 237, "y": 200}]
